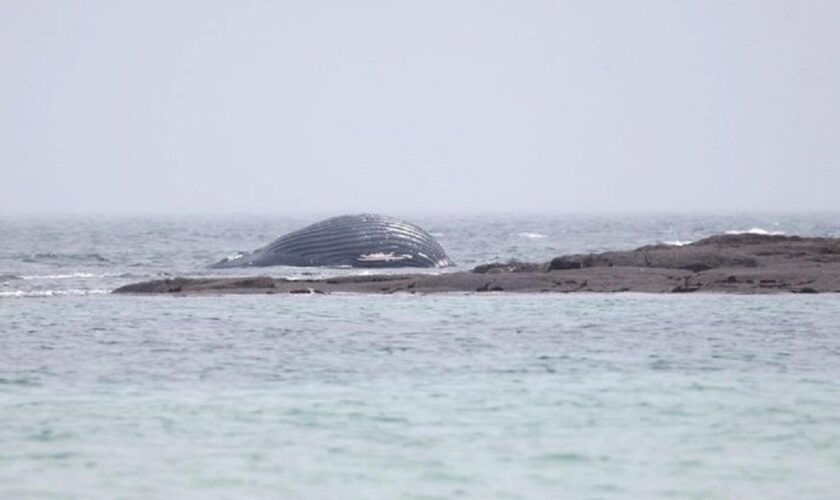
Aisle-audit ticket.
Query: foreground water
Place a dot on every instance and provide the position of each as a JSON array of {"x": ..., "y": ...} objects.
[
  {"x": 503, "y": 396},
  {"x": 477, "y": 396}
]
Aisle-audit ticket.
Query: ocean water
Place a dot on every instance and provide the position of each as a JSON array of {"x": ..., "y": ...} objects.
[{"x": 443, "y": 396}]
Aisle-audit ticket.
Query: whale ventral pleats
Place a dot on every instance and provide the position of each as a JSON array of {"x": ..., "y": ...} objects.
[{"x": 364, "y": 240}]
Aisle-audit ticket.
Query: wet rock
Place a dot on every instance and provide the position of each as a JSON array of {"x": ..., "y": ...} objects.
[
  {"x": 565, "y": 263},
  {"x": 177, "y": 285},
  {"x": 513, "y": 266},
  {"x": 743, "y": 263}
]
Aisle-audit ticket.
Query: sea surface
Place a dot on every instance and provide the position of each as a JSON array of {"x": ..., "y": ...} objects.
[{"x": 405, "y": 396}]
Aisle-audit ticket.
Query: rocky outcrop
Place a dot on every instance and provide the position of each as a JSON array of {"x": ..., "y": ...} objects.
[
  {"x": 744, "y": 263},
  {"x": 512, "y": 266},
  {"x": 178, "y": 285}
]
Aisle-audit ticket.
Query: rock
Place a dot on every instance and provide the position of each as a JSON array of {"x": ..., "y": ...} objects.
[
  {"x": 564, "y": 263},
  {"x": 745, "y": 239},
  {"x": 512, "y": 266},
  {"x": 177, "y": 285},
  {"x": 743, "y": 263}
]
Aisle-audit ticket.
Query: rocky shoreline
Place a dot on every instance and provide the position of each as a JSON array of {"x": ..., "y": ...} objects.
[{"x": 741, "y": 264}]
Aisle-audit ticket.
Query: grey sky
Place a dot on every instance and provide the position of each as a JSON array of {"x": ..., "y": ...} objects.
[{"x": 282, "y": 107}]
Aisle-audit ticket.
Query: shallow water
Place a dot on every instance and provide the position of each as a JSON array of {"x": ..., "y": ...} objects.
[{"x": 478, "y": 396}]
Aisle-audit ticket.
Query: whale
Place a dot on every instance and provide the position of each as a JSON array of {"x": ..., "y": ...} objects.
[{"x": 362, "y": 240}]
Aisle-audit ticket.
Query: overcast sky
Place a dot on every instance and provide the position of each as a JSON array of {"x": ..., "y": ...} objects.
[{"x": 397, "y": 106}]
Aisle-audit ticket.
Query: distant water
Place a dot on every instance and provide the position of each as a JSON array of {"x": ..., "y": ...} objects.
[
  {"x": 474, "y": 396},
  {"x": 82, "y": 256}
]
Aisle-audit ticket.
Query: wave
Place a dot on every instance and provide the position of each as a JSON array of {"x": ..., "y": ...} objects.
[
  {"x": 16, "y": 294},
  {"x": 63, "y": 257},
  {"x": 532, "y": 236},
  {"x": 10, "y": 277},
  {"x": 677, "y": 243},
  {"x": 756, "y": 230},
  {"x": 78, "y": 275}
]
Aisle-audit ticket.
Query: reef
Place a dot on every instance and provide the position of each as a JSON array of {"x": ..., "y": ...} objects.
[{"x": 729, "y": 263}]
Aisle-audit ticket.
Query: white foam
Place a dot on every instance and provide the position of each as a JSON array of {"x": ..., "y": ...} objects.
[
  {"x": 50, "y": 293},
  {"x": 71, "y": 276},
  {"x": 756, "y": 230},
  {"x": 58, "y": 276},
  {"x": 677, "y": 243},
  {"x": 532, "y": 236}
]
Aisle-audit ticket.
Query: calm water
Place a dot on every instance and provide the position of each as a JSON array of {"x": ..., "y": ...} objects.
[{"x": 477, "y": 396}]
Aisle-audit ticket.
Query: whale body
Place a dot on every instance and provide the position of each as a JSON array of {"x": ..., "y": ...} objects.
[{"x": 365, "y": 240}]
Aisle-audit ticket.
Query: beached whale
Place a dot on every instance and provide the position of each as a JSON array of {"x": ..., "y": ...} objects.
[{"x": 365, "y": 240}]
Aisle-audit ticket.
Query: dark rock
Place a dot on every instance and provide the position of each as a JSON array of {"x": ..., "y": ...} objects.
[
  {"x": 696, "y": 268},
  {"x": 745, "y": 263},
  {"x": 832, "y": 249},
  {"x": 745, "y": 239},
  {"x": 564, "y": 263},
  {"x": 177, "y": 285},
  {"x": 685, "y": 289},
  {"x": 157, "y": 286},
  {"x": 258, "y": 282},
  {"x": 512, "y": 266}
]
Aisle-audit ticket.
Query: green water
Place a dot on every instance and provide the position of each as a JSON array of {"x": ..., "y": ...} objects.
[{"x": 474, "y": 396}]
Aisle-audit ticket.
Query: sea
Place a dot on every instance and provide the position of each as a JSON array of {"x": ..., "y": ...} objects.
[{"x": 463, "y": 395}]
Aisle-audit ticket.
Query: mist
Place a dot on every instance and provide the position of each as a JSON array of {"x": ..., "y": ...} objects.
[{"x": 423, "y": 107}]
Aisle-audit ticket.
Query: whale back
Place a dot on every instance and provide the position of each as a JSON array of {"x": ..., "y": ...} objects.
[{"x": 365, "y": 240}]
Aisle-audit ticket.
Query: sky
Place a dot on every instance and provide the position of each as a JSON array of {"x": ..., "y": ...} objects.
[{"x": 119, "y": 107}]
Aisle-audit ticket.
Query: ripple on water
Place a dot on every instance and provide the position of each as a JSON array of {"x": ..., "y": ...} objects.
[{"x": 627, "y": 396}]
